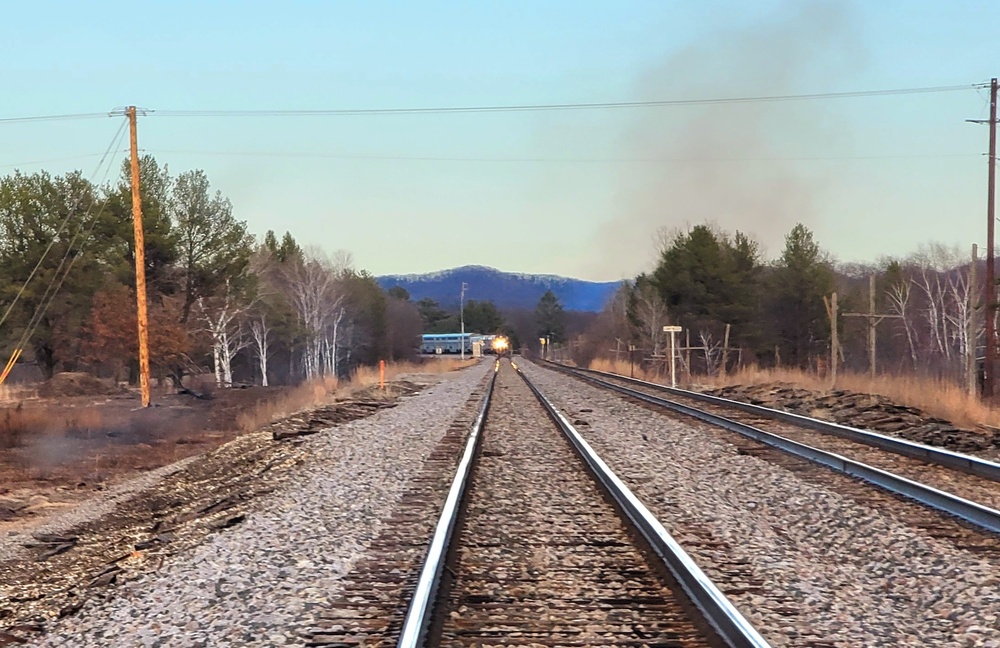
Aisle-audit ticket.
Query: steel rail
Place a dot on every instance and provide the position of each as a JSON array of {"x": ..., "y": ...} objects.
[
  {"x": 419, "y": 614},
  {"x": 717, "y": 609},
  {"x": 957, "y": 460},
  {"x": 967, "y": 510}
]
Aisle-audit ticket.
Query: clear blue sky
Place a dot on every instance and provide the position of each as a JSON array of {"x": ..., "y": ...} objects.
[{"x": 579, "y": 193}]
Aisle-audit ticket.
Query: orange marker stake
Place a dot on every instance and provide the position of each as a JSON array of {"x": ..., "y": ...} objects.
[{"x": 381, "y": 375}]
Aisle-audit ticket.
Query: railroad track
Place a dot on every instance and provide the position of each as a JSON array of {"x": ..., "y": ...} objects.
[
  {"x": 960, "y": 485},
  {"x": 538, "y": 543}
]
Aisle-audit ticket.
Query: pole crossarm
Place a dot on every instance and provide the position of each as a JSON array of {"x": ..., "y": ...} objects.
[{"x": 874, "y": 319}]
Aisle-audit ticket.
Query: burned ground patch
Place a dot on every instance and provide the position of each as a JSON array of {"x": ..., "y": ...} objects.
[{"x": 210, "y": 493}]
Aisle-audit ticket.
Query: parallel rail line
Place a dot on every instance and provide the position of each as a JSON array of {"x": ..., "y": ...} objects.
[
  {"x": 955, "y": 460},
  {"x": 968, "y": 510}
]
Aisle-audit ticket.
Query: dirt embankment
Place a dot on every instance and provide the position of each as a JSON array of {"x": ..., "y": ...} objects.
[{"x": 869, "y": 412}]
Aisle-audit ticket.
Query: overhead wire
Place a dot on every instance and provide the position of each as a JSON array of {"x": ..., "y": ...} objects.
[
  {"x": 407, "y": 158},
  {"x": 559, "y": 106},
  {"x": 601, "y": 105},
  {"x": 51, "y": 291},
  {"x": 83, "y": 156},
  {"x": 67, "y": 261},
  {"x": 62, "y": 226},
  {"x": 50, "y": 118}
]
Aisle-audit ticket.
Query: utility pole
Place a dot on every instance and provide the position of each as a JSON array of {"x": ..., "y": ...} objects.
[
  {"x": 873, "y": 321},
  {"x": 990, "y": 287},
  {"x": 725, "y": 351},
  {"x": 687, "y": 354},
  {"x": 461, "y": 310},
  {"x": 140, "y": 262},
  {"x": 831, "y": 311},
  {"x": 970, "y": 334}
]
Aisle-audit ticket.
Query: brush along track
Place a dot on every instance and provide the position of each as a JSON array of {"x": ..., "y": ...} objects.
[
  {"x": 543, "y": 559},
  {"x": 968, "y": 486}
]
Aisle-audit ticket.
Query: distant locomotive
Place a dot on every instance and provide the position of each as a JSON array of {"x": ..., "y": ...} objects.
[{"x": 501, "y": 346}]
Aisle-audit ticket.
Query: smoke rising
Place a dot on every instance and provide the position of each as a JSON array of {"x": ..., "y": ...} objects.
[{"x": 729, "y": 164}]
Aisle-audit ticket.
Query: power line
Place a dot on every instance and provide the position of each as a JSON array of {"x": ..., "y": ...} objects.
[
  {"x": 560, "y": 106},
  {"x": 115, "y": 141},
  {"x": 42, "y": 118},
  {"x": 507, "y": 107},
  {"x": 50, "y": 291},
  {"x": 50, "y": 160},
  {"x": 407, "y": 158}
]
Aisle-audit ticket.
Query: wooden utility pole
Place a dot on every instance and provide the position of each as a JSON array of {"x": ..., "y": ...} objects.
[
  {"x": 991, "y": 271},
  {"x": 873, "y": 321},
  {"x": 831, "y": 311},
  {"x": 971, "y": 383},
  {"x": 687, "y": 354},
  {"x": 140, "y": 262},
  {"x": 725, "y": 351},
  {"x": 990, "y": 287}
]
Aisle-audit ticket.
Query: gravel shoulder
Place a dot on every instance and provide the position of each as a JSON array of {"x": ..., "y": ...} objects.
[
  {"x": 821, "y": 567},
  {"x": 262, "y": 582}
]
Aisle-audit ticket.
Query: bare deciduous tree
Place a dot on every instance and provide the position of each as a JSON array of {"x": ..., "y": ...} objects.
[
  {"x": 222, "y": 317},
  {"x": 260, "y": 330},
  {"x": 899, "y": 302},
  {"x": 650, "y": 314},
  {"x": 314, "y": 289}
]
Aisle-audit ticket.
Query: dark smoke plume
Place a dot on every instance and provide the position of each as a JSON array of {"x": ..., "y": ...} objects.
[{"x": 729, "y": 164}]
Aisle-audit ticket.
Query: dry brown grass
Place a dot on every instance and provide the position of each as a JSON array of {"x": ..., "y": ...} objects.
[
  {"x": 322, "y": 391},
  {"x": 16, "y": 393},
  {"x": 935, "y": 396},
  {"x": 19, "y": 425},
  {"x": 307, "y": 395},
  {"x": 366, "y": 376},
  {"x": 622, "y": 368}
]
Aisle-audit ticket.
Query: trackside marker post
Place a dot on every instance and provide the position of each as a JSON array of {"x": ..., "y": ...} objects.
[
  {"x": 381, "y": 375},
  {"x": 672, "y": 330}
]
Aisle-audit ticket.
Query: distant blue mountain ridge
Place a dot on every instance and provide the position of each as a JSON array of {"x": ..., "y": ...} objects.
[{"x": 505, "y": 289}]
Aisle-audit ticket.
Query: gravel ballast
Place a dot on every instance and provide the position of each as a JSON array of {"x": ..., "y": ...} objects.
[
  {"x": 262, "y": 582},
  {"x": 822, "y": 568}
]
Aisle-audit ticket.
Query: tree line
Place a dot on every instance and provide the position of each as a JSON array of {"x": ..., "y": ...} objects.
[
  {"x": 709, "y": 281},
  {"x": 220, "y": 300}
]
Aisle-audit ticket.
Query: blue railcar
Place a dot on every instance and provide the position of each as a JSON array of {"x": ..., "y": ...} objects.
[{"x": 439, "y": 343}]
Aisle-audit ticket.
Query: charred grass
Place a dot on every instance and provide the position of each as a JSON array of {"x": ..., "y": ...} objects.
[{"x": 91, "y": 440}]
